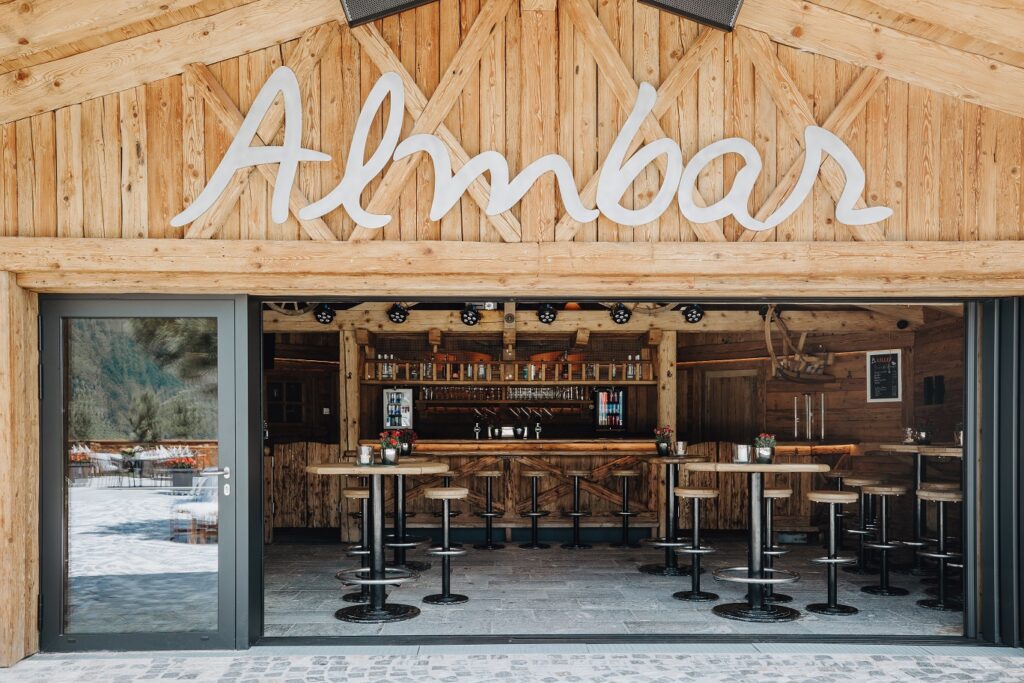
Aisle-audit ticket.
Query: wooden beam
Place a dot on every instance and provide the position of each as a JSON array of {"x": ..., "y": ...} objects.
[
  {"x": 157, "y": 55},
  {"x": 384, "y": 58},
  {"x": 909, "y": 58},
  {"x": 222, "y": 106},
  {"x": 581, "y": 338},
  {"x": 573, "y": 270},
  {"x": 434, "y": 337},
  {"x": 798, "y": 113},
  {"x": 508, "y": 331},
  {"x": 444, "y": 98},
  {"x": 654, "y": 337},
  {"x": 625, "y": 89},
  {"x": 912, "y": 314},
  {"x": 19, "y": 472}
]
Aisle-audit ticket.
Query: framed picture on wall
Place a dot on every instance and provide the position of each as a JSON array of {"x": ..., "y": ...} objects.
[{"x": 885, "y": 376}]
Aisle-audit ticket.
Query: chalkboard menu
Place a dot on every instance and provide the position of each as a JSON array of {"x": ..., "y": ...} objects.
[{"x": 885, "y": 382}]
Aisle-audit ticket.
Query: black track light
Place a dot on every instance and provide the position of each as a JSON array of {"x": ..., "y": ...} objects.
[
  {"x": 547, "y": 314},
  {"x": 398, "y": 313},
  {"x": 620, "y": 314},
  {"x": 693, "y": 313},
  {"x": 470, "y": 316},
  {"x": 324, "y": 314}
]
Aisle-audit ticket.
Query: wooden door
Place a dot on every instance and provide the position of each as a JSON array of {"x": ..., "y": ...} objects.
[{"x": 733, "y": 406}]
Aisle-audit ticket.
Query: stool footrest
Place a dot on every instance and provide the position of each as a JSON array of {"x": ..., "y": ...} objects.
[
  {"x": 741, "y": 575},
  {"x": 695, "y": 551},
  {"x": 623, "y": 513},
  {"x": 577, "y": 514},
  {"x": 834, "y": 560},
  {"x": 937, "y": 555},
  {"x": 776, "y": 551},
  {"x": 859, "y": 532},
  {"x": 406, "y": 544},
  {"x": 492, "y": 515},
  {"x": 442, "y": 552},
  {"x": 360, "y": 576},
  {"x": 668, "y": 544},
  {"x": 914, "y": 544},
  {"x": 357, "y": 552},
  {"x": 539, "y": 513},
  {"x": 891, "y": 545}
]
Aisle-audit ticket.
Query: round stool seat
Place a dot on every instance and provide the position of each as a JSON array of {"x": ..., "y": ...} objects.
[
  {"x": 885, "y": 490},
  {"x": 940, "y": 486},
  {"x": 941, "y": 496},
  {"x": 626, "y": 473},
  {"x": 778, "y": 493},
  {"x": 857, "y": 482},
  {"x": 356, "y": 494},
  {"x": 837, "y": 474},
  {"x": 840, "y": 497},
  {"x": 682, "y": 492},
  {"x": 535, "y": 473},
  {"x": 449, "y": 493},
  {"x": 578, "y": 473},
  {"x": 487, "y": 474}
]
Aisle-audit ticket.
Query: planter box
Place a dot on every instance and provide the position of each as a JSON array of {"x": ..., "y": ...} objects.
[{"x": 182, "y": 479}]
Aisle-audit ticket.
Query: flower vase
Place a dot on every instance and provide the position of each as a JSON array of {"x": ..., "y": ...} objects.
[
  {"x": 389, "y": 456},
  {"x": 764, "y": 454},
  {"x": 404, "y": 448},
  {"x": 663, "y": 448}
]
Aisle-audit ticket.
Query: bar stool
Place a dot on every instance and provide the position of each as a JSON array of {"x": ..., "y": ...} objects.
[
  {"x": 488, "y": 512},
  {"x": 398, "y": 540},
  {"x": 361, "y": 549},
  {"x": 771, "y": 551},
  {"x": 672, "y": 538},
  {"x": 837, "y": 477},
  {"x": 576, "y": 513},
  {"x": 941, "y": 555},
  {"x": 446, "y": 482},
  {"x": 624, "y": 513},
  {"x": 835, "y": 501},
  {"x": 446, "y": 551},
  {"x": 695, "y": 550},
  {"x": 862, "y": 530},
  {"x": 883, "y": 545},
  {"x": 535, "y": 513}
]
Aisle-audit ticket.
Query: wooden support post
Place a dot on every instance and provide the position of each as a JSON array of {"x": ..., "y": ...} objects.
[
  {"x": 348, "y": 413},
  {"x": 19, "y": 472},
  {"x": 508, "y": 335},
  {"x": 666, "y": 403}
]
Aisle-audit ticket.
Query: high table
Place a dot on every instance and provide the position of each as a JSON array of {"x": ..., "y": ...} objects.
[
  {"x": 671, "y": 540},
  {"x": 377, "y": 611},
  {"x": 755, "y": 608},
  {"x": 920, "y": 452}
]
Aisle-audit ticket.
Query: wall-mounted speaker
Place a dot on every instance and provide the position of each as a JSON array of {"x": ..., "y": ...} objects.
[
  {"x": 718, "y": 13},
  {"x": 364, "y": 11}
]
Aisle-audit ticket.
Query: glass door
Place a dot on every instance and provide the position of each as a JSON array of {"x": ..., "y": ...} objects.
[{"x": 138, "y": 473}]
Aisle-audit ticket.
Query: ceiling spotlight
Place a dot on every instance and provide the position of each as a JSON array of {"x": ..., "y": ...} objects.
[
  {"x": 324, "y": 314},
  {"x": 693, "y": 313},
  {"x": 547, "y": 314},
  {"x": 902, "y": 324},
  {"x": 470, "y": 316},
  {"x": 398, "y": 313},
  {"x": 620, "y": 314}
]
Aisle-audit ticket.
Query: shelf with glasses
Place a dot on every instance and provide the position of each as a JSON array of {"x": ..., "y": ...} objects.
[{"x": 509, "y": 373}]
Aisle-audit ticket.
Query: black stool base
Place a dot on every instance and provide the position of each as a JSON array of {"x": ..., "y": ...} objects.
[
  {"x": 488, "y": 546},
  {"x": 664, "y": 570},
  {"x": 778, "y": 597},
  {"x": 577, "y": 546},
  {"x": 624, "y": 545},
  {"x": 832, "y": 610},
  {"x": 365, "y": 614},
  {"x": 891, "y": 591},
  {"x": 534, "y": 546},
  {"x": 741, "y": 611},
  {"x": 695, "y": 596},
  {"x": 357, "y": 597},
  {"x": 947, "y": 606},
  {"x": 442, "y": 599}
]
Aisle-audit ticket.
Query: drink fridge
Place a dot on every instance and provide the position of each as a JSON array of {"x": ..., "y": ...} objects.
[
  {"x": 398, "y": 409},
  {"x": 610, "y": 410}
]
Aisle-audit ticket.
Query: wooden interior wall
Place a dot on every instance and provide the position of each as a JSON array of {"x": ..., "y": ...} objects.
[
  {"x": 19, "y": 473},
  {"x": 121, "y": 165}
]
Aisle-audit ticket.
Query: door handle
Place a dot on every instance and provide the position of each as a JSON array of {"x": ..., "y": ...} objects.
[{"x": 226, "y": 473}]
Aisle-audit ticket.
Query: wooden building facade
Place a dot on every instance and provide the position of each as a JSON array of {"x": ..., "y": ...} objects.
[{"x": 114, "y": 117}]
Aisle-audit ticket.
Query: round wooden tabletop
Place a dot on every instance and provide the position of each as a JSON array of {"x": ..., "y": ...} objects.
[
  {"x": 773, "y": 467},
  {"x": 403, "y": 467}
]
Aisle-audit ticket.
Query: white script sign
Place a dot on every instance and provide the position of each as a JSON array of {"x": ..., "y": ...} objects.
[{"x": 615, "y": 175}]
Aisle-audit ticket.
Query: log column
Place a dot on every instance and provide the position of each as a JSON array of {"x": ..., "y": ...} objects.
[
  {"x": 19, "y": 471},
  {"x": 666, "y": 407}
]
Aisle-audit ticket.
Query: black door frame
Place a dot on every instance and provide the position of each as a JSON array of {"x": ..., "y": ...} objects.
[{"x": 235, "y": 333}]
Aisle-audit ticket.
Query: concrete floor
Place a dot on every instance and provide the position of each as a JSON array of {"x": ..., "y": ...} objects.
[{"x": 598, "y": 591}]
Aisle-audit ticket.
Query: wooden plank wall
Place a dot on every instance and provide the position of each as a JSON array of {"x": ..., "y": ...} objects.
[
  {"x": 120, "y": 166},
  {"x": 19, "y": 473}
]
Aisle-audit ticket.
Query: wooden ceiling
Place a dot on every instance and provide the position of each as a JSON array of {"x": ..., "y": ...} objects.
[{"x": 58, "y": 52}]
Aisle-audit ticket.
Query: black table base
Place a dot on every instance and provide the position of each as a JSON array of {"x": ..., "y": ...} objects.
[
  {"x": 886, "y": 591},
  {"x": 831, "y": 610},
  {"x": 358, "y": 597},
  {"x": 442, "y": 599},
  {"x": 778, "y": 597},
  {"x": 741, "y": 611},
  {"x": 695, "y": 596},
  {"x": 368, "y": 614}
]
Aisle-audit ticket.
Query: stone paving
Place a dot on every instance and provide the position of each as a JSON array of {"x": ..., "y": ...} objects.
[
  {"x": 526, "y": 665},
  {"x": 597, "y": 591}
]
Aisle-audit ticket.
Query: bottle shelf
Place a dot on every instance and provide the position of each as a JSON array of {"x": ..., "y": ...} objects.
[{"x": 508, "y": 373}]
